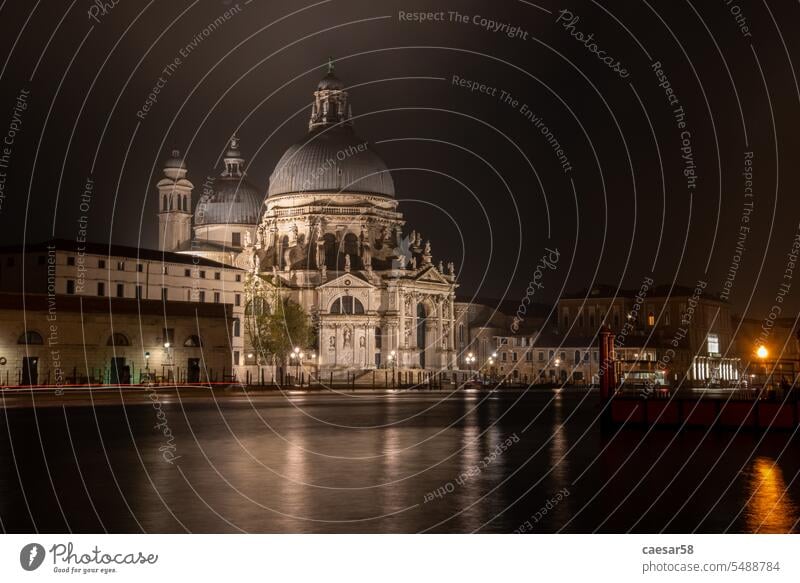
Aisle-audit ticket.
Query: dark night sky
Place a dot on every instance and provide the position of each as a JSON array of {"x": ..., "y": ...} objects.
[{"x": 477, "y": 178}]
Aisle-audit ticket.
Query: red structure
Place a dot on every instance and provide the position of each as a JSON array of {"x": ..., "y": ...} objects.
[{"x": 608, "y": 371}]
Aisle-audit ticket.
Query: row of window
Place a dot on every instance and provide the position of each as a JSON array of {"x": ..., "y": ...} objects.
[
  {"x": 33, "y": 338},
  {"x": 101, "y": 264},
  {"x": 651, "y": 318},
  {"x": 120, "y": 293},
  {"x": 578, "y": 355}
]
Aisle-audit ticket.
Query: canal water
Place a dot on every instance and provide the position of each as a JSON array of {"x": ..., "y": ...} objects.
[{"x": 362, "y": 462}]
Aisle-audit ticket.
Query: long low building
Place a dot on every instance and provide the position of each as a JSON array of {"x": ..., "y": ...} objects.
[{"x": 60, "y": 340}]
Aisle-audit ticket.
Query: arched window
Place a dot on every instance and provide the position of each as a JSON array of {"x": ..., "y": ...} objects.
[
  {"x": 329, "y": 244},
  {"x": 193, "y": 341},
  {"x": 378, "y": 339},
  {"x": 164, "y": 203},
  {"x": 118, "y": 339},
  {"x": 30, "y": 337},
  {"x": 351, "y": 249},
  {"x": 256, "y": 307},
  {"x": 347, "y": 305}
]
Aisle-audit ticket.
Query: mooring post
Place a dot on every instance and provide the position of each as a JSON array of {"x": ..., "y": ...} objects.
[{"x": 607, "y": 371}]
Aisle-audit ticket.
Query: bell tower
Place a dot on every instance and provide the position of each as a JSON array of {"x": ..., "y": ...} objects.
[{"x": 175, "y": 206}]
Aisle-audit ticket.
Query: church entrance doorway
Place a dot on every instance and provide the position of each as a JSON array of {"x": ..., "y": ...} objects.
[
  {"x": 193, "y": 370},
  {"x": 30, "y": 370},
  {"x": 119, "y": 373}
]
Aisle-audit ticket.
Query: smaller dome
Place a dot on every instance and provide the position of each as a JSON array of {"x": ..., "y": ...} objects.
[
  {"x": 175, "y": 160},
  {"x": 233, "y": 201}
]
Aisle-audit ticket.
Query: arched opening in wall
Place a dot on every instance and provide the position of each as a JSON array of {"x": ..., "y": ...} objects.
[
  {"x": 347, "y": 305},
  {"x": 118, "y": 339},
  {"x": 257, "y": 306},
  {"x": 350, "y": 248},
  {"x": 421, "y": 335},
  {"x": 30, "y": 338},
  {"x": 193, "y": 341},
  {"x": 329, "y": 245},
  {"x": 164, "y": 202}
]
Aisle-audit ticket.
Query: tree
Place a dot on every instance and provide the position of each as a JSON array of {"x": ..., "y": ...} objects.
[{"x": 275, "y": 325}]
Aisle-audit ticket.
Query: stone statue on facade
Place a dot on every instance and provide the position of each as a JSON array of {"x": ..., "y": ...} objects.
[{"x": 347, "y": 337}]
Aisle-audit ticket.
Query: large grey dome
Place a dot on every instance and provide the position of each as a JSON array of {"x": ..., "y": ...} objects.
[
  {"x": 232, "y": 201},
  {"x": 331, "y": 159}
]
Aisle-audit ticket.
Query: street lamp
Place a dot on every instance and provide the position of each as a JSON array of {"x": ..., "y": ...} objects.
[
  {"x": 296, "y": 357},
  {"x": 558, "y": 375},
  {"x": 470, "y": 361},
  {"x": 392, "y": 361}
]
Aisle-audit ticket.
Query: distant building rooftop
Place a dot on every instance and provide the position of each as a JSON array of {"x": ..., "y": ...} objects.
[{"x": 110, "y": 250}]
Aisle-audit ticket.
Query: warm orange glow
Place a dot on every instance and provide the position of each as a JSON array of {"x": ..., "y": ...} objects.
[
  {"x": 769, "y": 508},
  {"x": 762, "y": 352}
]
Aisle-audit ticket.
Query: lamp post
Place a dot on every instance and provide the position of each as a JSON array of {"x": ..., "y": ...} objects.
[
  {"x": 470, "y": 361},
  {"x": 393, "y": 361},
  {"x": 558, "y": 375},
  {"x": 296, "y": 356}
]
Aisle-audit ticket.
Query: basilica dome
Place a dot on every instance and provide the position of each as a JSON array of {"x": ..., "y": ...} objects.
[
  {"x": 231, "y": 200},
  {"x": 331, "y": 158},
  {"x": 334, "y": 160}
]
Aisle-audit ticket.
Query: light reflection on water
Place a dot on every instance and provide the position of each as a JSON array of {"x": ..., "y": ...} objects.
[
  {"x": 770, "y": 508},
  {"x": 336, "y": 464}
]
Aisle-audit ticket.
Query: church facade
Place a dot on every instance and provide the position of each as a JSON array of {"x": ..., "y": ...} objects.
[{"x": 330, "y": 236}]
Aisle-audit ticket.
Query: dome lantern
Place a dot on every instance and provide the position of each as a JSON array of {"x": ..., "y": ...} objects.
[
  {"x": 331, "y": 105},
  {"x": 233, "y": 159}
]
